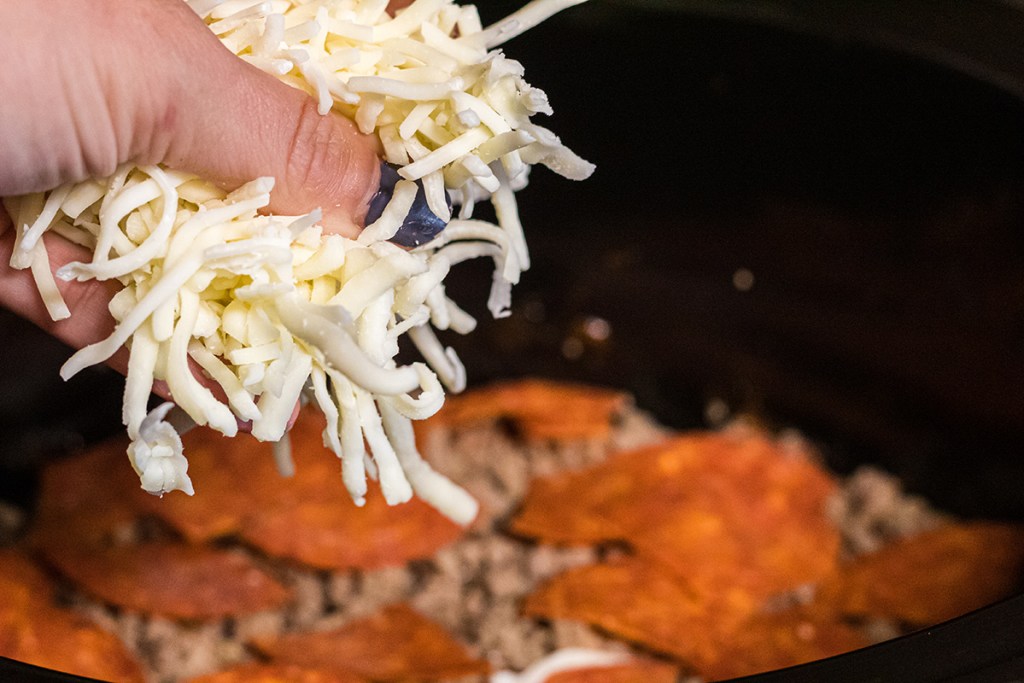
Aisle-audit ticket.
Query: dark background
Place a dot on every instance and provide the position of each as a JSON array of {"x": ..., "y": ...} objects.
[
  {"x": 875, "y": 193},
  {"x": 875, "y": 196}
]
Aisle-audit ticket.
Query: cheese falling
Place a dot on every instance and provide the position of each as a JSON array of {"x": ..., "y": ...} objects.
[{"x": 269, "y": 307}]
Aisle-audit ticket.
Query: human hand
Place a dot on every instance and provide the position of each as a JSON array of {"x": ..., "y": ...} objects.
[{"x": 90, "y": 84}]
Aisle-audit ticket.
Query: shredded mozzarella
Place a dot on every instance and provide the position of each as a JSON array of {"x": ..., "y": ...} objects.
[
  {"x": 566, "y": 659},
  {"x": 157, "y": 455},
  {"x": 267, "y": 309}
]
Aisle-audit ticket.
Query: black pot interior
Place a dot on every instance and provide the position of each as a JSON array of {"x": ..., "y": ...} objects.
[{"x": 877, "y": 200}]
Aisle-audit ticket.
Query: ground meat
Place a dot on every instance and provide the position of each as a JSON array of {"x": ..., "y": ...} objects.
[
  {"x": 474, "y": 587},
  {"x": 873, "y": 509}
]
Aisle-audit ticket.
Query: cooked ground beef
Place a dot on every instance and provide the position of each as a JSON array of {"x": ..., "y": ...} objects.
[{"x": 475, "y": 586}]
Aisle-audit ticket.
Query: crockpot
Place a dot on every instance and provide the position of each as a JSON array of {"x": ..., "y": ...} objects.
[{"x": 812, "y": 212}]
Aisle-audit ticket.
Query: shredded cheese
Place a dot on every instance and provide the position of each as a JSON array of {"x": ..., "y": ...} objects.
[
  {"x": 267, "y": 307},
  {"x": 559, "y": 661}
]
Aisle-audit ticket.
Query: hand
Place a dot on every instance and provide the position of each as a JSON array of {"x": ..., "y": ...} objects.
[{"x": 90, "y": 84}]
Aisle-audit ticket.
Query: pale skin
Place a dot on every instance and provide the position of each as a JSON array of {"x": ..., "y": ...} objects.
[{"x": 90, "y": 84}]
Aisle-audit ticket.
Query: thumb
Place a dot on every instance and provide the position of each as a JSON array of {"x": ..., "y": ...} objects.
[
  {"x": 148, "y": 82},
  {"x": 236, "y": 123},
  {"x": 232, "y": 123}
]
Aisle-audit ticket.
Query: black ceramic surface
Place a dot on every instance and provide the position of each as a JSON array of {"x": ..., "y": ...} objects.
[
  {"x": 19, "y": 672},
  {"x": 876, "y": 199}
]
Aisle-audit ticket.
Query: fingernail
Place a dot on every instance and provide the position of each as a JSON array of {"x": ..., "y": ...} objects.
[{"x": 420, "y": 225}]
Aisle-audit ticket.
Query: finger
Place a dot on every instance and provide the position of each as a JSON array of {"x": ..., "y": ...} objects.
[
  {"x": 88, "y": 301},
  {"x": 148, "y": 82},
  {"x": 234, "y": 123},
  {"x": 317, "y": 161},
  {"x": 396, "y": 5},
  {"x": 90, "y": 318}
]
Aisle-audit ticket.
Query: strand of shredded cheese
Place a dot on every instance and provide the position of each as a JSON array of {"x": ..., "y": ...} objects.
[
  {"x": 270, "y": 308},
  {"x": 559, "y": 661}
]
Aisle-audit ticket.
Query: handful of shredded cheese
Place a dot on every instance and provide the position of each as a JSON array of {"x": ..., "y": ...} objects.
[{"x": 269, "y": 307}]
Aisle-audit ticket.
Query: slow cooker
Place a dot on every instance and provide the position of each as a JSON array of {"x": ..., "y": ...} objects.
[{"x": 812, "y": 212}]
